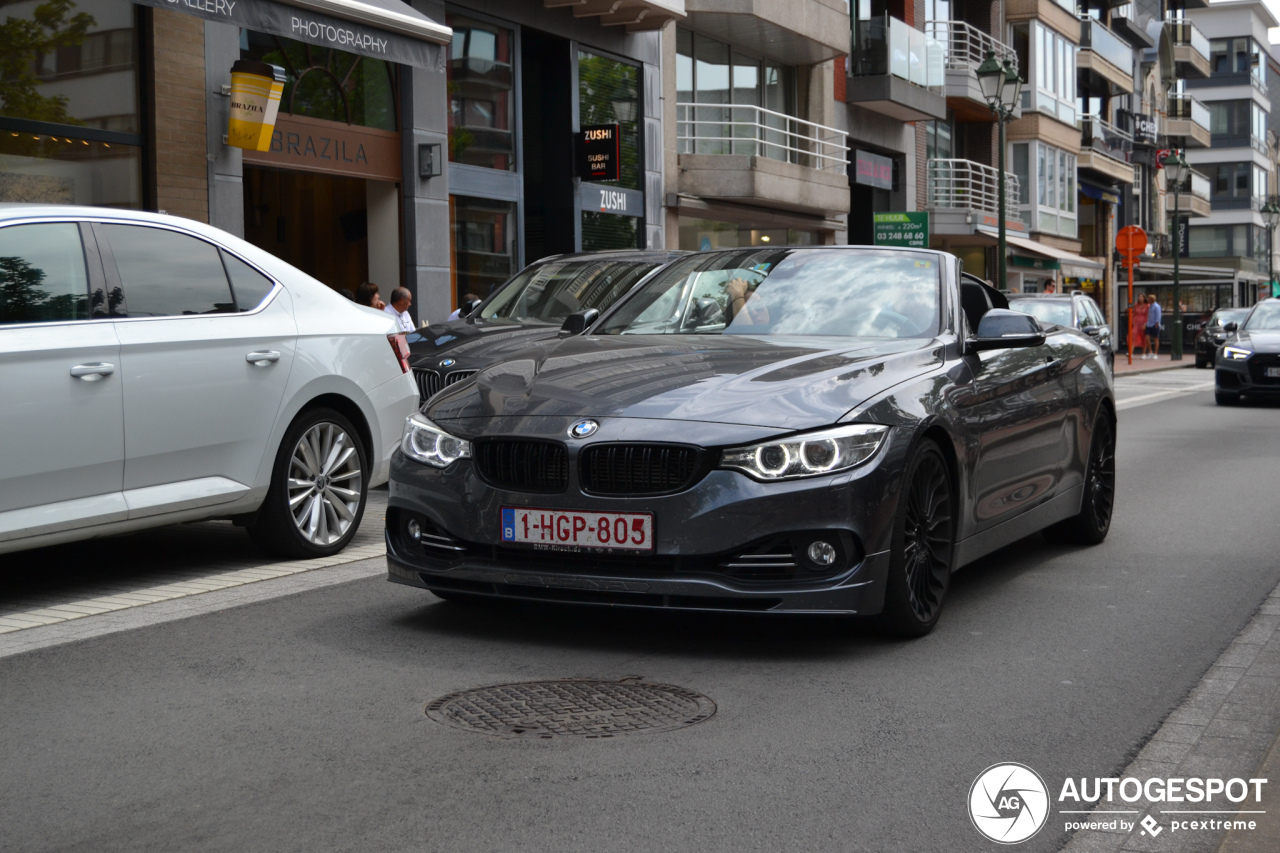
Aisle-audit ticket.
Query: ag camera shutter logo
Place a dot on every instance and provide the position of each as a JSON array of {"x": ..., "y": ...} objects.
[{"x": 1008, "y": 803}]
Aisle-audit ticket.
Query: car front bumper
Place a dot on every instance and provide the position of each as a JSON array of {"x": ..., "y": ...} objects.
[
  {"x": 700, "y": 536},
  {"x": 1248, "y": 376}
]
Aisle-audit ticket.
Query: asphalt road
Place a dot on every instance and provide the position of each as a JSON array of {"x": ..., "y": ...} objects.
[{"x": 298, "y": 723}]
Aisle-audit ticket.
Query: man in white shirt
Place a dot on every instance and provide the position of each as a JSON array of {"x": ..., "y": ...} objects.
[{"x": 401, "y": 299}]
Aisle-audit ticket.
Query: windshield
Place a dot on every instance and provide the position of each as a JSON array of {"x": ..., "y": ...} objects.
[
  {"x": 1265, "y": 318},
  {"x": 1057, "y": 311},
  {"x": 551, "y": 291},
  {"x": 848, "y": 293},
  {"x": 1222, "y": 318}
]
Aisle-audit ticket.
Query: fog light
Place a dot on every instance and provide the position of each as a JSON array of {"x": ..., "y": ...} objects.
[
  {"x": 414, "y": 529},
  {"x": 822, "y": 553}
]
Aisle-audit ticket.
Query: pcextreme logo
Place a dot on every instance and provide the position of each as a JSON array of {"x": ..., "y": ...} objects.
[{"x": 1008, "y": 803}]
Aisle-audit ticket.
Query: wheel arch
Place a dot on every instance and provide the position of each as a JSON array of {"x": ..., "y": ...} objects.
[{"x": 348, "y": 409}]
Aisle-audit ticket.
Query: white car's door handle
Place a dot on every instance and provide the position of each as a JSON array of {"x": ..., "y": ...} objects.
[
  {"x": 93, "y": 372},
  {"x": 262, "y": 359}
]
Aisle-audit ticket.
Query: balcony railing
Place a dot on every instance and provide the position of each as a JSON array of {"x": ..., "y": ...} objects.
[
  {"x": 758, "y": 132},
  {"x": 1184, "y": 106},
  {"x": 965, "y": 46},
  {"x": 966, "y": 185},
  {"x": 884, "y": 45},
  {"x": 1095, "y": 36},
  {"x": 1183, "y": 32},
  {"x": 1104, "y": 137},
  {"x": 1199, "y": 185}
]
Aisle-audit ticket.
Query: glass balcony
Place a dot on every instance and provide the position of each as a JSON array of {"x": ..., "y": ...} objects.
[
  {"x": 1185, "y": 106},
  {"x": 1104, "y": 137},
  {"x": 886, "y": 46},
  {"x": 1096, "y": 37},
  {"x": 1185, "y": 33}
]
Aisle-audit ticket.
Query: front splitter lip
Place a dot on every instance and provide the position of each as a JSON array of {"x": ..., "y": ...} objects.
[{"x": 860, "y": 593}]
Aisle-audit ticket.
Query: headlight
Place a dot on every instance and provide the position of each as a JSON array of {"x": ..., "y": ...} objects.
[
  {"x": 1235, "y": 353},
  {"x": 427, "y": 443},
  {"x": 807, "y": 455}
]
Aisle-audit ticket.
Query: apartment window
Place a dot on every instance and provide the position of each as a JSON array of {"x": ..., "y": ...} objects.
[
  {"x": 1238, "y": 56},
  {"x": 709, "y": 74},
  {"x": 1220, "y": 241},
  {"x": 481, "y": 94},
  {"x": 939, "y": 140},
  {"x": 1048, "y": 63},
  {"x": 1238, "y": 124},
  {"x": 1052, "y": 184}
]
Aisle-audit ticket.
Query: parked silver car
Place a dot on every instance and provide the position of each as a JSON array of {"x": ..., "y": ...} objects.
[{"x": 156, "y": 370}]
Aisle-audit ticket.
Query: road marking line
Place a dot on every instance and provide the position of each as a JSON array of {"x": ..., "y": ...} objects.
[{"x": 1172, "y": 392}]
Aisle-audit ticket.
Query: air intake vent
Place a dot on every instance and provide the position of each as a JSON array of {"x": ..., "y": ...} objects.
[
  {"x": 523, "y": 466},
  {"x": 639, "y": 469}
]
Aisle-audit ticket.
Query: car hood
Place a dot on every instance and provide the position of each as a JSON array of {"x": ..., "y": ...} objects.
[
  {"x": 783, "y": 383},
  {"x": 1259, "y": 341},
  {"x": 467, "y": 339}
]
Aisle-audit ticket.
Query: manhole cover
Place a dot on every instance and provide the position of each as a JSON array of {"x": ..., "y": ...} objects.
[{"x": 580, "y": 707}]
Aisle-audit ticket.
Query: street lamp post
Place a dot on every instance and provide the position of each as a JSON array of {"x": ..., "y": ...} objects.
[
  {"x": 1271, "y": 215},
  {"x": 1001, "y": 87},
  {"x": 1176, "y": 170}
]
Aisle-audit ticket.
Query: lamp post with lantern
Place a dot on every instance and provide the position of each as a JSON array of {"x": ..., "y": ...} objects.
[
  {"x": 1176, "y": 171},
  {"x": 1001, "y": 87}
]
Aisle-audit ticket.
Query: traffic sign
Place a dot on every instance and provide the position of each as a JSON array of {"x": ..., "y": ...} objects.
[{"x": 1130, "y": 243}]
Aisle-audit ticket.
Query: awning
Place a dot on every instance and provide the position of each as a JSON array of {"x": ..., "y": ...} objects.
[
  {"x": 381, "y": 29},
  {"x": 1109, "y": 196},
  {"x": 1072, "y": 266}
]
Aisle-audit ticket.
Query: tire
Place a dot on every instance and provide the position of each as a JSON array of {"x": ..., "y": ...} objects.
[
  {"x": 1226, "y": 398},
  {"x": 306, "y": 512},
  {"x": 1091, "y": 525},
  {"x": 1201, "y": 362},
  {"x": 922, "y": 547}
]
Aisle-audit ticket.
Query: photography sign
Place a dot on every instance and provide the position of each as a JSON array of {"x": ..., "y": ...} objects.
[
  {"x": 903, "y": 230},
  {"x": 598, "y": 152}
]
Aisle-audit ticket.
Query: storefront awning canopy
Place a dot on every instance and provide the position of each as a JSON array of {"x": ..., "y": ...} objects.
[
  {"x": 1073, "y": 266},
  {"x": 382, "y": 29}
]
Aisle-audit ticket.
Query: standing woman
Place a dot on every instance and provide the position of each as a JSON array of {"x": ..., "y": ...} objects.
[{"x": 367, "y": 294}]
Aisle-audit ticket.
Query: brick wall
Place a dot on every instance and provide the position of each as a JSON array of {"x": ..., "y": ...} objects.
[{"x": 180, "y": 169}]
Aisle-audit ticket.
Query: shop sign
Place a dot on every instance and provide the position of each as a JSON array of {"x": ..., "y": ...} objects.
[
  {"x": 1034, "y": 263},
  {"x": 873, "y": 170},
  {"x": 598, "y": 152},
  {"x": 314, "y": 28},
  {"x": 255, "y": 102},
  {"x": 313, "y": 145},
  {"x": 611, "y": 200},
  {"x": 907, "y": 229},
  {"x": 1144, "y": 129}
]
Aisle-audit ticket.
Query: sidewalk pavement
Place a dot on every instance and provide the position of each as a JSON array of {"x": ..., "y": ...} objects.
[
  {"x": 1144, "y": 365},
  {"x": 1266, "y": 838}
]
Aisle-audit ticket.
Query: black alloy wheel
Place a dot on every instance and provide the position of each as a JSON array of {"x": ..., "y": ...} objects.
[
  {"x": 923, "y": 546},
  {"x": 1093, "y": 522}
]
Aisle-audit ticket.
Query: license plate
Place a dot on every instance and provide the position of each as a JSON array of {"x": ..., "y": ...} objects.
[
  {"x": 630, "y": 531},
  {"x": 1273, "y": 373}
]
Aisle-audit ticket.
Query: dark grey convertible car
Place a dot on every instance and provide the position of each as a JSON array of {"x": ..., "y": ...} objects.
[{"x": 823, "y": 430}]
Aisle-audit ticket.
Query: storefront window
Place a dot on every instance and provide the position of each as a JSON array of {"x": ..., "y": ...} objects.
[
  {"x": 704, "y": 234},
  {"x": 483, "y": 248},
  {"x": 328, "y": 84},
  {"x": 481, "y": 94},
  {"x": 609, "y": 93},
  {"x": 69, "y": 125}
]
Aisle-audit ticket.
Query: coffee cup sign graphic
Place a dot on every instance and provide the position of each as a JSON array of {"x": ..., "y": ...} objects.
[{"x": 255, "y": 99}]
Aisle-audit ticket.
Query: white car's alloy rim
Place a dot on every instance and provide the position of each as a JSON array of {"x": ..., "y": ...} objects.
[{"x": 324, "y": 484}]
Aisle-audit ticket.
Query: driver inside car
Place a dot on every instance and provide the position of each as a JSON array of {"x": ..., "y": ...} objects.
[{"x": 744, "y": 308}]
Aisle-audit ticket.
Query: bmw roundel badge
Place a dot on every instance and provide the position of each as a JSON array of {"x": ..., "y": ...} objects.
[
  {"x": 582, "y": 429},
  {"x": 448, "y": 362}
]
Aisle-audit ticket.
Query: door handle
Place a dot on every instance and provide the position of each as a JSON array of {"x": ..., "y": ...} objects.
[
  {"x": 93, "y": 372},
  {"x": 262, "y": 359}
]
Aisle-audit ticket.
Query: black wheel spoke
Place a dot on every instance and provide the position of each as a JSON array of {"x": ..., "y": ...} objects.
[{"x": 927, "y": 536}]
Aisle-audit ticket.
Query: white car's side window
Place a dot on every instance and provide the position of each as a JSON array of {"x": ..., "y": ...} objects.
[
  {"x": 249, "y": 286},
  {"x": 165, "y": 273},
  {"x": 42, "y": 274}
]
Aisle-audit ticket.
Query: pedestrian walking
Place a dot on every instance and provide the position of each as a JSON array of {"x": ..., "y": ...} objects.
[
  {"x": 401, "y": 299},
  {"x": 1154, "y": 326}
]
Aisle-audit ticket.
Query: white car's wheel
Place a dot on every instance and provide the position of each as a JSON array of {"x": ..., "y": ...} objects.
[{"x": 318, "y": 488}]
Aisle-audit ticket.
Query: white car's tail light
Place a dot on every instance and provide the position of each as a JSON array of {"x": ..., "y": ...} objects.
[{"x": 400, "y": 347}]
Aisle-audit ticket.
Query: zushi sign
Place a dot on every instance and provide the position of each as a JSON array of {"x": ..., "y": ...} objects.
[
  {"x": 599, "y": 152},
  {"x": 904, "y": 230}
]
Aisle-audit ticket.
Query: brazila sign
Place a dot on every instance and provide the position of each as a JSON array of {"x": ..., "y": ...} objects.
[{"x": 909, "y": 229}]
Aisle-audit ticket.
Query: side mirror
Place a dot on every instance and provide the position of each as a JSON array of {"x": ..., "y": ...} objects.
[
  {"x": 1091, "y": 331},
  {"x": 1002, "y": 328},
  {"x": 578, "y": 322},
  {"x": 705, "y": 312},
  {"x": 1230, "y": 327}
]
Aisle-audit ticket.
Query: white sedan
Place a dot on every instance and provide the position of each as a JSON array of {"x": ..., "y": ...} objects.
[{"x": 156, "y": 370}]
